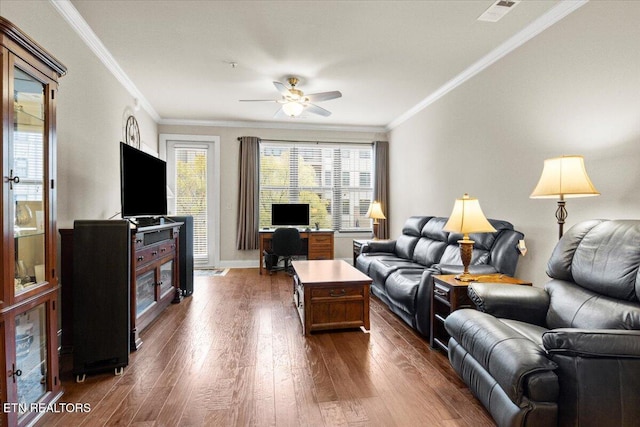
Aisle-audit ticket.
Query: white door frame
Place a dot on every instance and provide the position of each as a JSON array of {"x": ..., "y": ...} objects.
[{"x": 214, "y": 183}]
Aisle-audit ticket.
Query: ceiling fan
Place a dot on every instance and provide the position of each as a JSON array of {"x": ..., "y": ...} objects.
[{"x": 294, "y": 102}]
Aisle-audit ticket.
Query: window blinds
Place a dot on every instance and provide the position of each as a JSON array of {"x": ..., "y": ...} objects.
[{"x": 335, "y": 179}]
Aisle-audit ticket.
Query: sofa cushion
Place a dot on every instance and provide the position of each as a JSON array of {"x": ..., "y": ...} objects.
[
  {"x": 428, "y": 252},
  {"x": 380, "y": 269},
  {"x": 506, "y": 354},
  {"x": 364, "y": 260},
  {"x": 571, "y": 306},
  {"x": 607, "y": 259},
  {"x": 602, "y": 256},
  {"x": 402, "y": 286},
  {"x": 414, "y": 224},
  {"x": 434, "y": 229},
  {"x": 531, "y": 331},
  {"x": 405, "y": 246}
]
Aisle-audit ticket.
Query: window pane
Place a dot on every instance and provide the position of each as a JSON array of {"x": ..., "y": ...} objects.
[
  {"x": 306, "y": 173},
  {"x": 191, "y": 193}
]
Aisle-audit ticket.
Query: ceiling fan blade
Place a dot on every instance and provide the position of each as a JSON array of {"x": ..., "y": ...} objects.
[
  {"x": 317, "y": 110},
  {"x": 323, "y": 96},
  {"x": 282, "y": 88}
]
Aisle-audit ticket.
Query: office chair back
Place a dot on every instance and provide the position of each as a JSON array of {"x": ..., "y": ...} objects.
[{"x": 286, "y": 242}]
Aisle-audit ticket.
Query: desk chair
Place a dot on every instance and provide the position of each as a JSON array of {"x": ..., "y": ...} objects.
[{"x": 285, "y": 243}]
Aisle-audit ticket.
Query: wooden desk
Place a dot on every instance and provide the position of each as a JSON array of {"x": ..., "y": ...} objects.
[
  {"x": 316, "y": 244},
  {"x": 449, "y": 295}
]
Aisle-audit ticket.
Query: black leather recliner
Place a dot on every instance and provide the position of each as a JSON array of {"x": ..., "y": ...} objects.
[{"x": 568, "y": 354}]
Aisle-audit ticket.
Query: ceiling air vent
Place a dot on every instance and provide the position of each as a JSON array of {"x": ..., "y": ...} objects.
[{"x": 498, "y": 10}]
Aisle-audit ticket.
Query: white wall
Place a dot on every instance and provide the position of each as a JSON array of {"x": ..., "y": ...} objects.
[
  {"x": 574, "y": 89},
  {"x": 229, "y": 153},
  {"x": 91, "y": 104}
]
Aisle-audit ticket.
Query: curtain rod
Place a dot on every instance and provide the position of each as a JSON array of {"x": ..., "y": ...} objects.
[{"x": 313, "y": 142}]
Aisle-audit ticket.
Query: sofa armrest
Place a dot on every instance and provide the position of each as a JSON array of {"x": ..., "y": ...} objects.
[
  {"x": 457, "y": 269},
  {"x": 524, "y": 303},
  {"x": 379, "y": 246},
  {"x": 615, "y": 343}
]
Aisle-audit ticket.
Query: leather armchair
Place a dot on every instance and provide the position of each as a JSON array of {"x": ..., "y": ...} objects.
[{"x": 568, "y": 354}]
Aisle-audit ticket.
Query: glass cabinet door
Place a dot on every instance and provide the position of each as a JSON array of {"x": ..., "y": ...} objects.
[
  {"x": 166, "y": 278},
  {"x": 27, "y": 180},
  {"x": 145, "y": 291},
  {"x": 30, "y": 373}
]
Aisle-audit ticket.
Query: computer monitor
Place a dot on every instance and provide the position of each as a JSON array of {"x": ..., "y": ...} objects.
[{"x": 290, "y": 214}]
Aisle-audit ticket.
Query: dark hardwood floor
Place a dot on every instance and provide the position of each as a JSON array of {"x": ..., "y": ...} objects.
[{"x": 233, "y": 354}]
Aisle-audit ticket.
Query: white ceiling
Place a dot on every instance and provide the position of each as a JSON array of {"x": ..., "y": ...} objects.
[{"x": 385, "y": 57}]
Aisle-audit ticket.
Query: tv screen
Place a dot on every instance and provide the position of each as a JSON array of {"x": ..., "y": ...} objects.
[
  {"x": 290, "y": 214},
  {"x": 143, "y": 183}
]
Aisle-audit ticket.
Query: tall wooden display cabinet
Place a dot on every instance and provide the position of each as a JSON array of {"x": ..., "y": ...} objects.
[{"x": 28, "y": 295}]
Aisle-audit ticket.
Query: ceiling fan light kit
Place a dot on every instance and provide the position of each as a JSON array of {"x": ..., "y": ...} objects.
[
  {"x": 295, "y": 102},
  {"x": 293, "y": 109}
]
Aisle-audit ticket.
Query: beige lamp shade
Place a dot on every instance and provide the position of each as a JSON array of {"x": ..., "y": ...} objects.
[
  {"x": 467, "y": 217},
  {"x": 375, "y": 211},
  {"x": 564, "y": 177}
]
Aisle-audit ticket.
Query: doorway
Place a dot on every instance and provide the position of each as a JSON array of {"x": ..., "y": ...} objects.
[{"x": 193, "y": 180}]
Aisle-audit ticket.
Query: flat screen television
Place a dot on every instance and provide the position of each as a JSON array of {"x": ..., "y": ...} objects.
[
  {"x": 283, "y": 214},
  {"x": 143, "y": 183}
]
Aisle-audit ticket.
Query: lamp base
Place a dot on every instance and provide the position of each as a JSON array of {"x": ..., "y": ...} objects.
[
  {"x": 375, "y": 229},
  {"x": 466, "y": 253},
  {"x": 466, "y": 277}
]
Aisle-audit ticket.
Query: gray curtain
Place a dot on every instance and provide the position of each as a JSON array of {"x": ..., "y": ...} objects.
[
  {"x": 247, "y": 235},
  {"x": 381, "y": 184}
]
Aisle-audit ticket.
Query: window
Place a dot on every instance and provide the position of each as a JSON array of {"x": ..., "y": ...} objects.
[
  {"x": 191, "y": 192},
  {"x": 335, "y": 179}
]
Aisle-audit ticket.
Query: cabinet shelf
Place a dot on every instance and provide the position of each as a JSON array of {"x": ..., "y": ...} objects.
[{"x": 23, "y": 232}]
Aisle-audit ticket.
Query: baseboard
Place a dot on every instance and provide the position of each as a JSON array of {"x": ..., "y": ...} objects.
[{"x": 251, "y": 263}]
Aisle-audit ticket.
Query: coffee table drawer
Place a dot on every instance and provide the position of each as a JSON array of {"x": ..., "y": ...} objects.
[{"x": 337, "y": 292}]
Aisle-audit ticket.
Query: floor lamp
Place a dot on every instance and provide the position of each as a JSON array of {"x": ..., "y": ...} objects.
[
  {"x": 563, "y": 177},
  {"x": 467, "y": 217},
  {"x": 375, "y": 212}
]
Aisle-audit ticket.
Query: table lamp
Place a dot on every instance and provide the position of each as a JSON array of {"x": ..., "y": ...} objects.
[
  {"x": 375, "y": 212},
  {"x": 563, "y": 177},
  {"x": 466, "y": 218}
]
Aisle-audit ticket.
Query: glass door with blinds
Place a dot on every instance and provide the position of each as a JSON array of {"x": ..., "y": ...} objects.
[{"x": 190, "y": 176}]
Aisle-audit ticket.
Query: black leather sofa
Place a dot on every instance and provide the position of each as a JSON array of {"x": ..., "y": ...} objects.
[
  {"x": 568, "y": 354},
  {"x": 402, "y": 269}
]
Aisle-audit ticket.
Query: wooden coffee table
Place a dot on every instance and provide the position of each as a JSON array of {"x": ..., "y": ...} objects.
[{"x": 330, "y": 294}]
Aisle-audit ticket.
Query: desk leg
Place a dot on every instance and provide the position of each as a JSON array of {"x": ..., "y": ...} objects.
[{"x": 261, "y": 249}]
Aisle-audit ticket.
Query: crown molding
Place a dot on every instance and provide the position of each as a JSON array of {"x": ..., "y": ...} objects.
[
  {"x": 70, "y": 14},
  {"x": 271, "y": 125},
  {"x": 80, "y": 26},
  {"x": 557, "y": 13}
]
